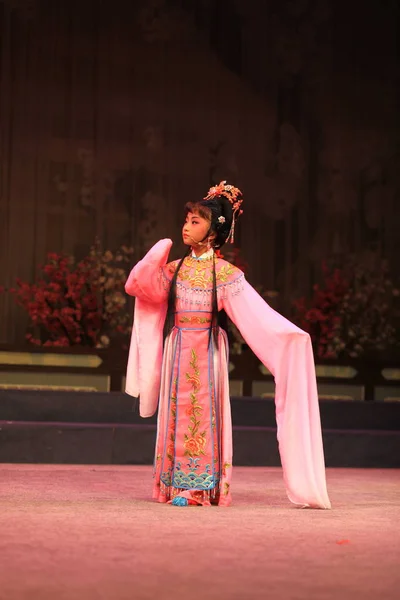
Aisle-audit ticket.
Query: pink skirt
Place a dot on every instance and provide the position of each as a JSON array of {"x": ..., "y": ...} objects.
[{"x": 193, "y": 457}]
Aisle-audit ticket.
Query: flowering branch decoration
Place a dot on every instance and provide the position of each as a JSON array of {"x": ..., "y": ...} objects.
[
  {"x": 319, "y": 316},
  {"x": 354, "y": 312},
  {"x": 79, "y": 303}
]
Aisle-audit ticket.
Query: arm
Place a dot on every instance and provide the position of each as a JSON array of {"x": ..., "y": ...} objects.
[
  {"x": 143, "y": 373},
  {"x": 287, "y": 353},
  {"x": 144, "y": 280}
]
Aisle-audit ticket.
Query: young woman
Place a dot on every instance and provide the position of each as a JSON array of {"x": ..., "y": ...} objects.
[{"x": 187, "y": 376}]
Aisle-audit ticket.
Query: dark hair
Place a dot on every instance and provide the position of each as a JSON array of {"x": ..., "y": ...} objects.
[{"x": 211, "y": 210}]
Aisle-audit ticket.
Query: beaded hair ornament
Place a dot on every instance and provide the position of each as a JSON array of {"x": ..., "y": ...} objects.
[{"x": 234, "y": 195}]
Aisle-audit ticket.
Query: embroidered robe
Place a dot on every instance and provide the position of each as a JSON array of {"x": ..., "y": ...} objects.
[{"x": 188, "y": 380}]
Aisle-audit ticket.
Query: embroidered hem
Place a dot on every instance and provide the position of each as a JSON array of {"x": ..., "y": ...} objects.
[{"x": 165, "y": 494}]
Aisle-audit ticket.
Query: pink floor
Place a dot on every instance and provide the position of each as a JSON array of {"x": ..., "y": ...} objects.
[{"x": 91, "y": 532}]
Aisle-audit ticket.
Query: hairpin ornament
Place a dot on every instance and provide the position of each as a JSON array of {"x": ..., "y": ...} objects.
[{"x": 234, "y": 195}]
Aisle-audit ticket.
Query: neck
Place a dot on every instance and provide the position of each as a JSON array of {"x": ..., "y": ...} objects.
[{"x": 199, "y": 251}]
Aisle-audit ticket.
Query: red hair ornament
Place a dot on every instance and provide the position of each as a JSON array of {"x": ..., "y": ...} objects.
[{"x": 234, "y": 195}]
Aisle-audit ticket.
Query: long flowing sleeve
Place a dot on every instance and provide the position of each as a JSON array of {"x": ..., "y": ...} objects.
[
  {"x": 144, "y": 280},
  {"x": 287, "y": 353},
  {"x": 143, "y": 373}
]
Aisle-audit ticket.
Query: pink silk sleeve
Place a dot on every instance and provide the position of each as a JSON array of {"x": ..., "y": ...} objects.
[
  {"x": 287, "y": 353},
  {"x": 144, "y": 280},
  {"x": 143, "y": 373}
]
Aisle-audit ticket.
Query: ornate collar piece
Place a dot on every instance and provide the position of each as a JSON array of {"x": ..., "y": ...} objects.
[{"x": 205, "y": 256}]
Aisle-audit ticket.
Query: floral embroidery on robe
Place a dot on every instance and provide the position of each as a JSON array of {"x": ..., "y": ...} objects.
[{"x": 188, "y": 378}]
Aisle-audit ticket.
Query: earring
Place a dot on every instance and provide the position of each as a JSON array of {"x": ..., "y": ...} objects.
[{"x": 208, "y": 244}]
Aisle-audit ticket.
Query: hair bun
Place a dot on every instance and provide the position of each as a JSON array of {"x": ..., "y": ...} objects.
[
  {"x": 235, "y": 197},
  {"x": 226, "y": 207},
  {"x": 223, "y": 226}
]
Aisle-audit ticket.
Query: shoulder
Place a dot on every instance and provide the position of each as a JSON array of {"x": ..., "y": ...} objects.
[
  {"x": 170, "y": 268},
  {"x": 226, "y": 272}
]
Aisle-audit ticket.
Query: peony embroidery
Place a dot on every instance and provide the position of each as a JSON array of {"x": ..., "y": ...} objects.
[
  {"x": 195, "y": 442},
  {"x": 195, "y": 446},
  {"x": 194, "y": 380}
]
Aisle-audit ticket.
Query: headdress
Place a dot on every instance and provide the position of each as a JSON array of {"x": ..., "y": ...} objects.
[{"x": 234, "y": 195}]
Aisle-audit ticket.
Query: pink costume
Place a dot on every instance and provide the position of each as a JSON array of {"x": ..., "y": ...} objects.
[{"x": 189, "y": 380}]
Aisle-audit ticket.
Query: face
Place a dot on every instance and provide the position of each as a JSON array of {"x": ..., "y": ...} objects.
[{"x": 195, "y": 229}]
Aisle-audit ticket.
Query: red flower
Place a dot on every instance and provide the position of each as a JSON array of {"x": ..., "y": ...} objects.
[
  {"x": 194, "y": 380},
  {"x": 319, "y": 315},
  {"x": 69, "y": 303},
  {"x": 195, "y": 446}
]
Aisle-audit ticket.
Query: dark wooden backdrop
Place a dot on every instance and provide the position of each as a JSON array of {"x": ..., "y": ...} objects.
[{"x": 113, "y": 114}]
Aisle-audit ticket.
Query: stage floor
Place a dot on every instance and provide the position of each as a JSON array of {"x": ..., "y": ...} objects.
[{"x": 92, "y": 533}]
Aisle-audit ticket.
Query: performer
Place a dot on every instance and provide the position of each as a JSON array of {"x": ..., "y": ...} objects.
[{"x": 187, "y": 376}]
